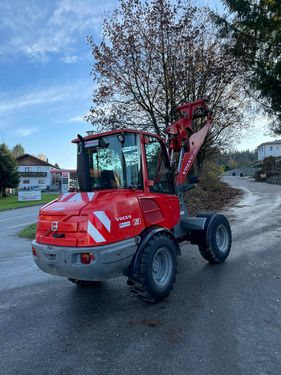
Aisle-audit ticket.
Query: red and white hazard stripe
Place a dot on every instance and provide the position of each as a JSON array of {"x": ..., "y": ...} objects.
[
  {"x": 76, "y": 197},
  {"x": 94, "y": 233},
  {"x": 101, "y": 220}
]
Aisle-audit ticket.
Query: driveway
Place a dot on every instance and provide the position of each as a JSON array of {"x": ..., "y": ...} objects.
[{"x": 223, "y": 319}]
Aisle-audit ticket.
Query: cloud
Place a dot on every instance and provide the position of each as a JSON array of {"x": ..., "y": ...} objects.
[
  {"x": 73, "y": 120},
  {"x": 79, "y": 89},
  {"x": 41, "y": 29},
  {"x": 70, "y": 59},
  {"x": 78, "y": 118},
  {"x": 26, "y": 131}
]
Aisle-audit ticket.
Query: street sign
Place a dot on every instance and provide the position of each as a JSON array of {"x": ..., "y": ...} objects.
[{"x": 26, "y": 196}]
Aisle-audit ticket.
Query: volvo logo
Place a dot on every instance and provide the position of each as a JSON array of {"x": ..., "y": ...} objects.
[{"x": 54, "y": 226}]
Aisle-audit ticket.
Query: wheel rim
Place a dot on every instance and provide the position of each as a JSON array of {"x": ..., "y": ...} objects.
[
  {"x": 162, "y": 266},
  {"x": 222, "y": 238}
]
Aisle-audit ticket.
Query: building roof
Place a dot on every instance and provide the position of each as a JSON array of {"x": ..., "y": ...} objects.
[
  {"x": 278, "y": 142},
  {"x": 35, "y": 161}
]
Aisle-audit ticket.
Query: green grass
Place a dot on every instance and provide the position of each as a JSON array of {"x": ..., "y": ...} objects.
[
  {"x": 8, "y": 203},
  {"x": 28, "y": 232}
]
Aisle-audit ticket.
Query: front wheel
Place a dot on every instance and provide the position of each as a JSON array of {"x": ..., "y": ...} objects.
[
  {"x": 156, "y": 269},
  {"x": 216, "y": 242}
]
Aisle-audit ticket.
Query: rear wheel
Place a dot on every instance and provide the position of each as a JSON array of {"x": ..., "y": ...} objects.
[
  {"x": 84, "y": 283},
  {"x": 156, "y": 269},
  {"x": 216, "y": 242}
]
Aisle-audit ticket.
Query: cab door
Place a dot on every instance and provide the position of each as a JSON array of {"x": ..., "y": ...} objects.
[{"x": 159, "y": 202}]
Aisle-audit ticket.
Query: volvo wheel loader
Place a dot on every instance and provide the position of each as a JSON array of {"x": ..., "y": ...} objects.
[{"x": 129, "y": 216}]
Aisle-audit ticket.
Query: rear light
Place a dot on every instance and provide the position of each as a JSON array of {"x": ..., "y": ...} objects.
[
  {"x": 86, "y": 258},
  {"x": 34, "y": 253}
]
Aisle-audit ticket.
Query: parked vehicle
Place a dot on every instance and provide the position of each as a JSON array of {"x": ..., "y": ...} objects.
[{"x": 130, "y": 217}]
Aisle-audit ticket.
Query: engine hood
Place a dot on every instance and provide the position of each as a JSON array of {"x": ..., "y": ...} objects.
[
  {"x": 90, "y": 219},
  {"x": 68, "y": 203}
]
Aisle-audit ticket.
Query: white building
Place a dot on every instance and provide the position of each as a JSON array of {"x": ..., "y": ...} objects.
[
  {"x": 269, "y": 149},
  {"x": 35, "y": 174}
]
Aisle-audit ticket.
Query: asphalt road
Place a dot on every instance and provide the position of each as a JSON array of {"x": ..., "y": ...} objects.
[
  {"x": 12, "y": 221},
  {"x": 223, "y": 319}
]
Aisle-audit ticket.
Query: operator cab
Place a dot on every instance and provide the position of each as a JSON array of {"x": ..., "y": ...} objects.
[{"x": 124, "y": 160}]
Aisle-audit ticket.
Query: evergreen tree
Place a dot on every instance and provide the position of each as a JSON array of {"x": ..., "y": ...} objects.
[
  {"x": 9, "y": 177},
  {"x": 18, "y": 150},
  {"x": 237, "y": 159},
  {"x": 255, "y": 28}
]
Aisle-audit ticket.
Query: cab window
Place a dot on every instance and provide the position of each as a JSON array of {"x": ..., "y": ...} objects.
[{"x": 158, "y": 166}]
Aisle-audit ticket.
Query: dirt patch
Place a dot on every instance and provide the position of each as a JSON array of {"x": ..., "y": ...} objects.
[
  {"x": 151, "y": 322},
  {"x": 174, "y": 335},
  {"x": 199, "y": 200}
]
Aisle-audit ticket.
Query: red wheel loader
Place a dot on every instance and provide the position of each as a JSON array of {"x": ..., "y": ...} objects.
[{"x": 129, "y": 216}]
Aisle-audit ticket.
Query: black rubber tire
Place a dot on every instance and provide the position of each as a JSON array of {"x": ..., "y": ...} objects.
[
  {"x": 84, "y": 283},
  {"x": 144, "y": 285},
  {"x": 209, "y": 247}
]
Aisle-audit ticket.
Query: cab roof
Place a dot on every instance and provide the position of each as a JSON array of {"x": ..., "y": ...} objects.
[{"x": 118, "y": 131}]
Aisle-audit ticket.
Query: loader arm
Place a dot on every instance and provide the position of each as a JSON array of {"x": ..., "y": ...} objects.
[{"x": 182, "y": 139}]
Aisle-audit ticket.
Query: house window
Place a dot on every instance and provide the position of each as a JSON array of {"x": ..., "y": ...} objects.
[
  {"x": 38, "y": 169},
  {"x": 26, "y": 181},
  {"x": 41, "y": 182},
  {"x": 27, "y": 169},
  {"x": 270, "y": 148}
]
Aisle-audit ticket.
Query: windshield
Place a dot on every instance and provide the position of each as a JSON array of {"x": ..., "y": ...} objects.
[{"x": 115, "y": 162}]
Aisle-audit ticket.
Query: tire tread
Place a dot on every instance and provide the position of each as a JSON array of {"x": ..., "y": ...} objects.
[
  {"x": 139, "y": 286},
  {"x": 209, "y": 253}
]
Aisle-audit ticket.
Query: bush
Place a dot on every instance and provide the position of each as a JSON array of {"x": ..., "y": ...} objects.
[
  {"x": 210, "y": 176},
  {"x": 260, "y": 176},
  {"x": 268, "y": 165}
]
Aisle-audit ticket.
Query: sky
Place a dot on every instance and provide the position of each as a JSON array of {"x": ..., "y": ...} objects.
[
  {"x": 45, "y": 65},
  {"x": 45, "y": 82}
]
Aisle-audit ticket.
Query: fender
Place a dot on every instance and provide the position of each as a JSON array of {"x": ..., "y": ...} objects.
[
  {"x": 143, "y": 240},
  {"x": 197, "y": 237}
]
